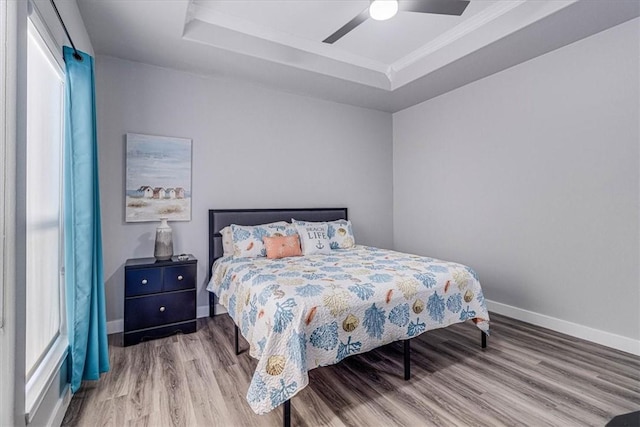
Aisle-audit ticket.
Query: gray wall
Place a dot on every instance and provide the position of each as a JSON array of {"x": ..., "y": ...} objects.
[
  {"x": 252, "y": 148},
  {"x": 531, "y": 177}
]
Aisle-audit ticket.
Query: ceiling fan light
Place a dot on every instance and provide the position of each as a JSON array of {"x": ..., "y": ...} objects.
[{"x": 381, "y": 10}]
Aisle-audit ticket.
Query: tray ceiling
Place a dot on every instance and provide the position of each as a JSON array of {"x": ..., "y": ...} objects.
[{"x": 387, "y": 65}]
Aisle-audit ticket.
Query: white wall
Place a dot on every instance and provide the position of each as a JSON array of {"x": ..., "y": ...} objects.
[
  {"x": 252, "y": 148},
  {"x": 530, "y": 176}
]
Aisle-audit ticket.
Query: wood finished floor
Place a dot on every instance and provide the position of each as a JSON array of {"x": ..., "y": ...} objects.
[{"x": 527, "y": 376}]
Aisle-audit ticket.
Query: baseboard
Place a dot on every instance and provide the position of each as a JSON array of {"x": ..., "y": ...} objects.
[
  {"x": 61, "y": 408},
  {"x": 203, "y": 311},
  {"x": 573, "y": 329},
  {"x": 597, "y": 336},
  {"x": 116, "y": 326}
]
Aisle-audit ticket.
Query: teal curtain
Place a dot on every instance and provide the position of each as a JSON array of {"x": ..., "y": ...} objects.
[{"x": 86, "y": 318}]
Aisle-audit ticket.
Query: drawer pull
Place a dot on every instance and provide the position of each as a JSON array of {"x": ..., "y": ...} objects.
[
  {"x": 162, "y": 309},
  {"x": 144, "y": 281},
  {"x": 180, "y": 277}
]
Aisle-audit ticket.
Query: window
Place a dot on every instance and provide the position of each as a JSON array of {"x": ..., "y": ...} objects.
[{"x": 45, "y": 316}]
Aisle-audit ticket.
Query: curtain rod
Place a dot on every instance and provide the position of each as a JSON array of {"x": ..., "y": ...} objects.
[{"x": 76, "y": 55}]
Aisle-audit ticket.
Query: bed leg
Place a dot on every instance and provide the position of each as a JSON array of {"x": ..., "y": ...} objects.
[
  {"x": 286, "y": 419},
  {"x": 237, "y": 342},
  {"x": 212, "y": 304},
  {"x": 407, "y": 360},
  {"x": 484, "y": 339}
]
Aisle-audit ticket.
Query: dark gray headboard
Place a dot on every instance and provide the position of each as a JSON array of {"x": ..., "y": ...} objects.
[{"x": 220, "y": 218}]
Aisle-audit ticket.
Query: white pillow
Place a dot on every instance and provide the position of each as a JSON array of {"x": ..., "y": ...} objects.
[
  {"x": 247, "y": 239},
  {"x": 227, "y": 241},
  {"x": 340, "y": 232},
  {"x": 314, "y": 238}
]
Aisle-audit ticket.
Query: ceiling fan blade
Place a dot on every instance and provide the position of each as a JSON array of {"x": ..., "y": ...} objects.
[
  {"x": 359, "y": 19},
  {"x": 440, "y": 7}
]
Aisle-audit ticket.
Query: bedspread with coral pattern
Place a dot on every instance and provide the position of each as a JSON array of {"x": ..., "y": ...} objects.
[{"x": 303, "y": 312}]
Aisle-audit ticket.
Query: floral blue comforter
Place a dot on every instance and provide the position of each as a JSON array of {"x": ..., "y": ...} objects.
[{"x": 303, "y": 312}]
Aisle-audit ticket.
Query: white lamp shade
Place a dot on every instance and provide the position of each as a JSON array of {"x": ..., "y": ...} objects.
[{"x": 381, "y": 10}]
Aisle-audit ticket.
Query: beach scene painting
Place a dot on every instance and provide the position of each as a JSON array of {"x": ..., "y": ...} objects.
[{"x": 158, "y": 181}]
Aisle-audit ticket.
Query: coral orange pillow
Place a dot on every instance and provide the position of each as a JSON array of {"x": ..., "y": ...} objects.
[{"x": 282, "y": 246}]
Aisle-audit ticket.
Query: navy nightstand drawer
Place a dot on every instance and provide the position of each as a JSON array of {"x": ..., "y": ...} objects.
[
  {"x": 143, "y": 281},
  {"x": 179, "y": 277},
  {"x": 160, "y": 298},
  {"x": 155, "y": 310}
]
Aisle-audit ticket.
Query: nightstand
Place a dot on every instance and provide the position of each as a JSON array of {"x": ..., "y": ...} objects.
[{"x": 159, "y": 298}]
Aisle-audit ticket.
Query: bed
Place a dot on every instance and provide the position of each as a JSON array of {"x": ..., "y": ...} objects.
[{"x": 299, "y": 313}]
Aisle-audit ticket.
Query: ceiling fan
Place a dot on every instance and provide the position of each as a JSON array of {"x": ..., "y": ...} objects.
[{"x": 384, "y": 9}]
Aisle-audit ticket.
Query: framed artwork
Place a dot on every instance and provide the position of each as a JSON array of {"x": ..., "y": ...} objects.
[{"x": 158, "y": 181}]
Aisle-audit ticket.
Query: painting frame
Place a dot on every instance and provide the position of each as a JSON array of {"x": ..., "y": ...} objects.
[{"x": 158, "y": 178}]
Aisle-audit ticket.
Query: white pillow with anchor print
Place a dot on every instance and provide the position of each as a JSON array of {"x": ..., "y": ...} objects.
[
  {"x": 340, "y": 232},
  {"x": 314, "y": 238}
]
